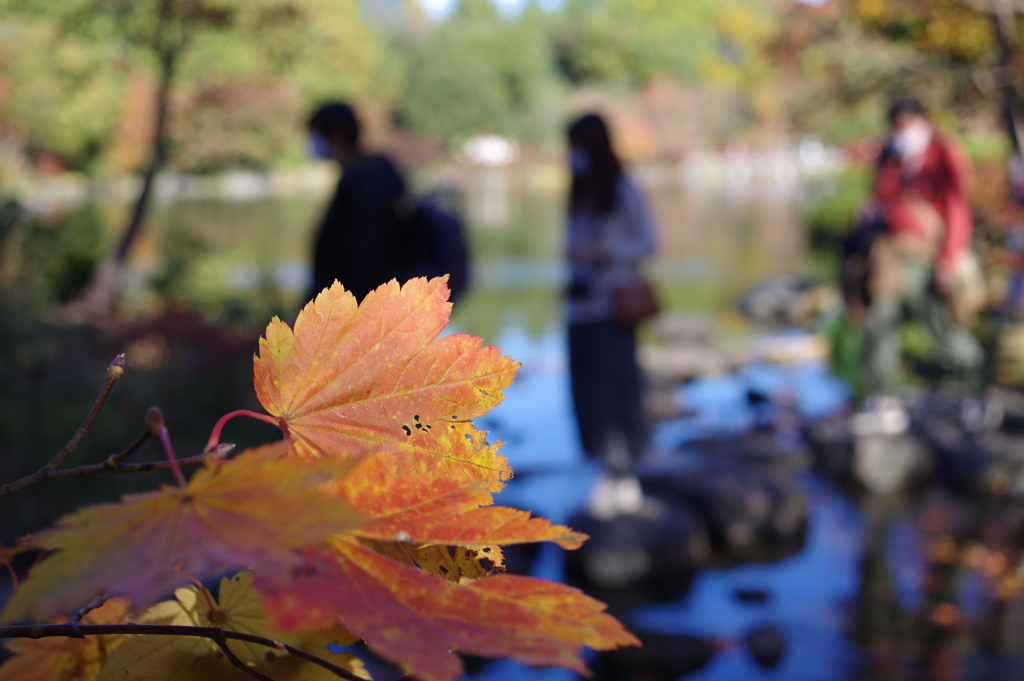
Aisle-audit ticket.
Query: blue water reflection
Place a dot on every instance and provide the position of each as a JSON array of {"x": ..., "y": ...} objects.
[
  {"x": 807, "y": 594},
  {"x": 807, "y": 598}
]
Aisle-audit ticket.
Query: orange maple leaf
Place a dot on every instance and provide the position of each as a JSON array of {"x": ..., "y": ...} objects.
[
  {"x": 255, "y": 509},
  {"x": 356, "y": 379},
  {"x": 419, "y": 508},
  {"x": 417, "y": 621},
  {"x": 66, "y": 659}
]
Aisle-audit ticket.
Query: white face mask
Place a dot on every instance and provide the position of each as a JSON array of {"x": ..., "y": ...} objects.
[{"x": 912, "y": 141}]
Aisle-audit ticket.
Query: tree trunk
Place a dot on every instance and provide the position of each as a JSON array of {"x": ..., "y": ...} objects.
[
  {"x": 98, "y": 301},
  {"x": 1008, "y": 95},
  {"x": 167, "y": 63}
]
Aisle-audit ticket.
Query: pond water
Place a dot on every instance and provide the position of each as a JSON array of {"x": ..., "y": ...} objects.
[{"x": 716, "y": 242}]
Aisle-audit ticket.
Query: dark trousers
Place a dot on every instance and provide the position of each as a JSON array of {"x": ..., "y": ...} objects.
[{"x": 606, "y": 392}]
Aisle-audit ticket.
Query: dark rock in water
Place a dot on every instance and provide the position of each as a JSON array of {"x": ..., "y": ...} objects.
[
  {"x": 962, "y": 464},
  {"x": 990, "y": 463},
  {"x": 767, "y": 645},
  {"x": 663, "y": 657},
  {"x": 878, "y": 464},
  {"x": 651, "y": 553},
  {"x": 785, "y": 301},
  {"x": 758, "y": 449},
  {"x": 831, "y": 445},
  {"x": 751, "y": 513},
  {"x": 752, "y": 595}
]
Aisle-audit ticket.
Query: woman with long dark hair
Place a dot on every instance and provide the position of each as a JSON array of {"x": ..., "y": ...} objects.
[{"x": 609, "y": 235}]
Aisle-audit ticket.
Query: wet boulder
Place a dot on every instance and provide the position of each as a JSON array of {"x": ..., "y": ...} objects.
[
  {"x": 974, "y": 465},
  {"x": 651, "y": 552},
  {"x": 662, "y": 657},
  {"x": 766, "y": 645},
  {"x": 749, "y": 500},
  {"x": 667, "y": 657},
  {"x": 877, "y": 464},
  {"x": 750, "y": 516},
  {"x": 787, "y": 300}
]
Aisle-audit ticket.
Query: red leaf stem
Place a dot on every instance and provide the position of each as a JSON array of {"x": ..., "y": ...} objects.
[{"x": 219, "y": 426}]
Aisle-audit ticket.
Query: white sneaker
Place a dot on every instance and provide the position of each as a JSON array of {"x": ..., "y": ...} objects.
[
  {"x": 615, "y": 495},
  {"x": 880, "y": 415},
  {"x": 980, "y": 415}
]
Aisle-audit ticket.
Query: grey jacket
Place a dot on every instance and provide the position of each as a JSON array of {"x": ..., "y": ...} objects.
[{"x": 627, "y": 234}]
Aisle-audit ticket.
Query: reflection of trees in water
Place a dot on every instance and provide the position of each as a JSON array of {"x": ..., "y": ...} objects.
[{"x": 963, "y": 617}]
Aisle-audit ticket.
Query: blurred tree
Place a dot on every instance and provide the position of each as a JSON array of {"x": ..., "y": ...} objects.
[
  {"x": 60, "y": 92},
  {"x": 236, "y": 124},
  {"x": 978, "y": 40},
  {"x": 478, "y": 72},
  {"x": 637, "y": 40},
  {"x": 316, "y": 39},
  {"x": 839, "y": 63},
  {"x": 948, "y": 28},
  {"x": 47, "y": 261},
  {"x": 976, "y": 47}
]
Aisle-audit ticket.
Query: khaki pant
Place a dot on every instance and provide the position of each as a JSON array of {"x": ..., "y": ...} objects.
[{"x": 902, "y": 286}]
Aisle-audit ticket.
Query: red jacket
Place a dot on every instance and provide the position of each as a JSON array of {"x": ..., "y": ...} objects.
[{"x": 942, "y": 181}]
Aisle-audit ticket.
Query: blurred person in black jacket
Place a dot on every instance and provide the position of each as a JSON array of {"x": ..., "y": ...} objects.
[{"x": 357, "y": 243}]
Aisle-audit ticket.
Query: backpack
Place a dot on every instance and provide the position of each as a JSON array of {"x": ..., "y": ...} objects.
[{"x": 434, "y": 244}]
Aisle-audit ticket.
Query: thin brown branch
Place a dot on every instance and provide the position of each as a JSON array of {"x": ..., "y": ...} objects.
[
  {"x": 110, "y": 466},
  {"x": 86, "y": 609},
  {"x": 114, "y": 372},
  {"x": 215, "y": 634},
  {"x": 233, "y": 659},
  {"x": 115, "y": 459}
]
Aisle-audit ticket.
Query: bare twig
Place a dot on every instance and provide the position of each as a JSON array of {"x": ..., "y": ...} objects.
[
  {"x": 109, "y": 466},
  {"x": 115, "y": 459},
  {"x": 114, "y": 462},
  {"x": 86, "y": 609},
  {"x": 233, "y": 659},
  {"x": 215, "y": 634},
  {"x": 114, "y": 372}
]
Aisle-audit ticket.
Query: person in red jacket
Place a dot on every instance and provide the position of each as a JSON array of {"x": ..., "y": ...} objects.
[{"x": 920, "y": 265}]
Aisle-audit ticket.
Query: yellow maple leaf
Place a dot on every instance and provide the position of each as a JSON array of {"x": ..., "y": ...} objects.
[
  {"x": 238, "y": 608},
  {"x": 454, "y": 563}
]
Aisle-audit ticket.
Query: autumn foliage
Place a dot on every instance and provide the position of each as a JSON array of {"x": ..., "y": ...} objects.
[{"x": 372, "y": 519}]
